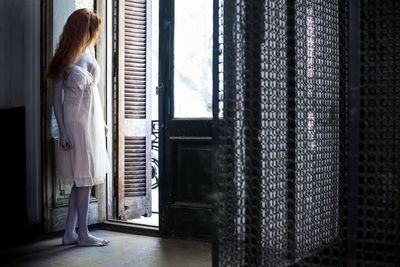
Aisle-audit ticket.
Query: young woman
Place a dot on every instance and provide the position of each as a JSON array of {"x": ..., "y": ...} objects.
[{"x": 82, "y": 155}]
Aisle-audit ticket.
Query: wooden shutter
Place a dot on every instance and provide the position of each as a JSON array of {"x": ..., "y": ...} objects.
[{"x": 134, "y": 120}]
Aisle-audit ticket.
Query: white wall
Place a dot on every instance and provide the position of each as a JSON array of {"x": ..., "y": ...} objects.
[{"x": 20, "y": 84}]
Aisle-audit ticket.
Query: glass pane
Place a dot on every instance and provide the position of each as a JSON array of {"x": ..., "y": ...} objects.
[
  {"x": 193, "y": 59},
  {"x": 84, "y": 4}
]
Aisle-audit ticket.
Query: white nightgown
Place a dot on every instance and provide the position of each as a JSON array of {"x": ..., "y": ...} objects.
[{"x": 87, "y": 163}]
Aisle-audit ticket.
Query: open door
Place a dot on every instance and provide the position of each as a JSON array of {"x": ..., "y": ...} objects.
[
  {"x": 187, "y": 80},
  {"x": 134, "y": 116}
]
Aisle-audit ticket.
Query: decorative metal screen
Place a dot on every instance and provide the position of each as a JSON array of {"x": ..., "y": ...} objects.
[
  {"x": 378, "y": 199},
  {"x": 317, "y": 124},
  {"x": 279, "y": 136},
  {"x": 309, "y": 137}
]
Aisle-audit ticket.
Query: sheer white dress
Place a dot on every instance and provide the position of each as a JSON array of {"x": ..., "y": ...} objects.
[{"x": 87, "y": 163}]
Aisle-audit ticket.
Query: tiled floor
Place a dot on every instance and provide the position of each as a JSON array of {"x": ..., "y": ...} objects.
[{"x": 124, "y": 250}]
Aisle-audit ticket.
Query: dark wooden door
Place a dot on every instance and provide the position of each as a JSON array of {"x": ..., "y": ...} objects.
[{"x": 186, "y": 85}]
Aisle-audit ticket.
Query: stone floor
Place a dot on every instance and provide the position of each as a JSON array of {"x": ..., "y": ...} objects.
[{"x": 124, "y": 250}]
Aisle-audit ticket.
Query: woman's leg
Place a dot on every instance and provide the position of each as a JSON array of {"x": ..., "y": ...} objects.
[
  {"x": 82, "y": 204},
  {"x": 70, "y": 235}
]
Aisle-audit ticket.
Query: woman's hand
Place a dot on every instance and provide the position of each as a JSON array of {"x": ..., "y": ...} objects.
[
  {"x": 106, "y": 129},
  {"x": 66, "y": 142}
]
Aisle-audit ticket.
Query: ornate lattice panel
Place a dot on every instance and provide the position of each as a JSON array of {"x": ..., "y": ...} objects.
[
  {"x": 309, "y": 137},
  {"x": 317, "y": 124},
  {"x": 273, "y": 134},
  {"x": 378, "y": 199},
  {"x": 282, "y": 134}
]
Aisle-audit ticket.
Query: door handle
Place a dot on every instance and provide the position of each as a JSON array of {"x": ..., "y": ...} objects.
[{"x": 158, "y": 88}]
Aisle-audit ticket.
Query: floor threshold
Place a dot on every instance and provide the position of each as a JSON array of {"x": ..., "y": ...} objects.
[{"x": 124, "y": 227}]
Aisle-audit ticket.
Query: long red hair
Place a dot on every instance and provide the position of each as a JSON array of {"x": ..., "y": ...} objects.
[{"x": 79, "y": 32}]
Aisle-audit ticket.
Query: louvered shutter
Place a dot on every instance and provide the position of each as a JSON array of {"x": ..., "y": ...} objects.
[{"x": 134, "y": 121}]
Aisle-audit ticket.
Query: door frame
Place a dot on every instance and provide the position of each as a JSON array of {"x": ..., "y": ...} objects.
[
  {"x": 164, "y": 75},
  {"x": 54, "y": 200}
]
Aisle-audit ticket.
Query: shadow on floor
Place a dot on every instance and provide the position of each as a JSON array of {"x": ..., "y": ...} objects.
[{"x": 124, "y": 250}]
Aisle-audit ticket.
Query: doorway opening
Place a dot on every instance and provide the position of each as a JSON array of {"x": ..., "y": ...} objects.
[{"x": 166, "y": 129}]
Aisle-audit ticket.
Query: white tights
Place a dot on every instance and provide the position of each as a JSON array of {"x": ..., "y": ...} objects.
[{"x": 77, "y": 213}]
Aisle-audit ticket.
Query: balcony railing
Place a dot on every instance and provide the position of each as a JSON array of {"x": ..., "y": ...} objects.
[{"x": 154, "y": 153}]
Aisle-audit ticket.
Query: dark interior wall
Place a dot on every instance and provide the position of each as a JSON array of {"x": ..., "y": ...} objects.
[
  {"x": 13, "y": 188},
  {"x": 12, "y": 53},
  {"x": 12, "y": 117},
  {"x": 20, "y": 103}
]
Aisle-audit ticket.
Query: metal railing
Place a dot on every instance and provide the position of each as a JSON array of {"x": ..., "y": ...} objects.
[{"x": 154, "y": 153}]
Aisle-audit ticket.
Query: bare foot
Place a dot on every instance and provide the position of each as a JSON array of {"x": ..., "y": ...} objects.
[
  {"x": 69, "y": 239},
  {"x": 91, "y": 241}
]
